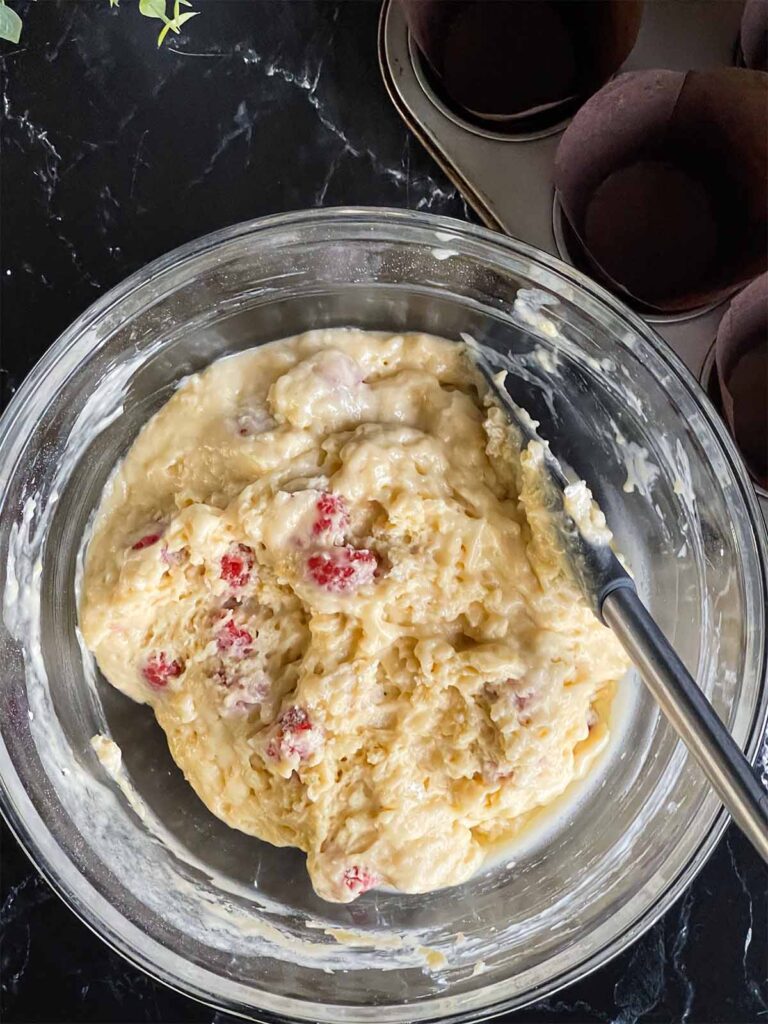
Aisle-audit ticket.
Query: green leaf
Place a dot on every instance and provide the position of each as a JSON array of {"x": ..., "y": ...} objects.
[
  {"x": 153, "y": 9},
  {"x": 10, "y": 24},
  {"x": 114, "y": 3},
  {"x": 163, "y": 33},
  {"x": 177, "y": 15},
  {"x": 175, "y": 25},
  {"x": 181, "y": 18}
]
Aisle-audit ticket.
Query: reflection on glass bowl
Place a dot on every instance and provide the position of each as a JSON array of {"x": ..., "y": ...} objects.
[{"x": 233, "y": 921}]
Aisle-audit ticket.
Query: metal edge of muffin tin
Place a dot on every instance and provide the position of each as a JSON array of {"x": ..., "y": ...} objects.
[{"x": 508, "y": 179}]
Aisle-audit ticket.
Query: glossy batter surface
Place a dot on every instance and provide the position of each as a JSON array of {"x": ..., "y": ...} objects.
[{"x": 320, "y": 564}]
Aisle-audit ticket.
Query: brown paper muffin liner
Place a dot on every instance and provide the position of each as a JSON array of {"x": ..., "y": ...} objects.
[
  {"x": 663, "y": 181},
  {"x": 507, "y": 61},
  {"x": 741, "y": 358},
  {"x": 753, "y": 37}
]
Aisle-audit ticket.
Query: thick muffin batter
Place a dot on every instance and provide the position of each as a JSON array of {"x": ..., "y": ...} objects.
[{"x": 320, "y": 565}]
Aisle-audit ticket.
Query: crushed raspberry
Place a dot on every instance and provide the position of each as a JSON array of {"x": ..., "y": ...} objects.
[
  {"x": 295, "y": 737},
  {"x": 237, "y": 564},
  {"x": 295, "y": 719},
  {"x": 234, "y": 639},
  {"x": 342, "y": 569},
  {"x": 158, "y": 670},
  {"x": 332, "y": 515},
  {"x": 146, "y": 541},
  {"x": 359, "y": 880}
]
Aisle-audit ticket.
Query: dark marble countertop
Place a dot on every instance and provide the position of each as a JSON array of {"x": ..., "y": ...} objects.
[{"x": 115, "y": 151}]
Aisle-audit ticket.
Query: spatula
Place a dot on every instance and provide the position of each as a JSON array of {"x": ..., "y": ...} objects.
[{"x": 611, "y": 593}]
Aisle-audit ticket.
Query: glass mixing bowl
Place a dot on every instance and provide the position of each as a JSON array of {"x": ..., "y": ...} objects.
[{"x": 233, "y": 921}]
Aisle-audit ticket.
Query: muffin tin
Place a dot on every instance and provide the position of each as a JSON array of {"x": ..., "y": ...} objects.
[{"x": 508, "y": 179}]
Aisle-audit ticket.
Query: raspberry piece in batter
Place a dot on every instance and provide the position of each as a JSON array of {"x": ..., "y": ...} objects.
[
  {"x": 342, "y": 569},
  {"x": 158, "y": 669},
  {"x": 332, "y": 516},
  {"x": 234, "y": 639},
  {"x": 146, "y": 541},
  {"x": 358, "y": 879},
  {"x": 237, "y": 565}
]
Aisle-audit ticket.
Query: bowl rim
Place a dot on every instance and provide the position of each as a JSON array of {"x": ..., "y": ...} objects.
[{"x": 80, "y": 894}]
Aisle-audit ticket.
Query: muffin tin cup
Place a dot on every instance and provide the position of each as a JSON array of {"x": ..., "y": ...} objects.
[
  {"x": 711, "y": 387},
  {"x": 476, "y": 58},
  {"x": 508, "y": 179}
]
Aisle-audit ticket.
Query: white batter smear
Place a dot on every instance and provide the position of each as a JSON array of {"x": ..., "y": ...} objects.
[{"x": 320, "y": 565}]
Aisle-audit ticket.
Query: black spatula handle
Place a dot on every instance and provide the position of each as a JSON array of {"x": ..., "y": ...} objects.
[{"x": 691, "y": 715}]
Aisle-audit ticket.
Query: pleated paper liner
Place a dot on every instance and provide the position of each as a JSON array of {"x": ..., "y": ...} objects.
[
  {"x": 753, "y": 37},
  {"x": 662, "y": 180},
  {"x": 521, "y": 65},
  {"x": 741, "y": 371}
]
